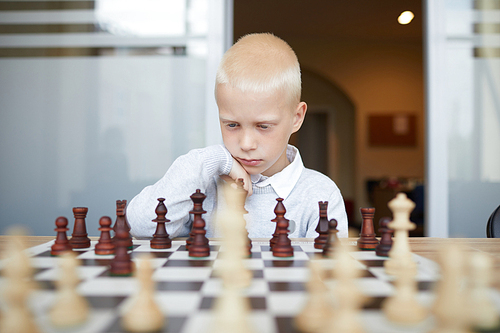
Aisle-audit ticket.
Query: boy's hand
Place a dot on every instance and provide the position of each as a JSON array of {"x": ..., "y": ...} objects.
[{"x": 237, "y": 171}]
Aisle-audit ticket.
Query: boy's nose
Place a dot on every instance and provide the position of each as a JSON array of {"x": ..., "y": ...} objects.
[{"x": 247, "y": 141}]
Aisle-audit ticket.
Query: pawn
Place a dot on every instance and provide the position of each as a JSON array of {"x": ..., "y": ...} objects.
[
  {"x": 332, "y": 240},
  {"x": 144, "y": 315},
  {"x": 61, "y": 244},
  {"x": 70, "y": 308},
  {"x": 367, "y": 239},
  {"x": 385, "y": 244},
  {"x": 105, "y": 244},
  {"x": 314, "y": 316},
  {"x": 121, "y": 265},
  {"x": 283, "y": 246},
  {"x": 161, "y": 239}
]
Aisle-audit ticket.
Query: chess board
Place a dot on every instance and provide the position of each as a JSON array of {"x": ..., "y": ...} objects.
[{"x": 187, "y": 287}]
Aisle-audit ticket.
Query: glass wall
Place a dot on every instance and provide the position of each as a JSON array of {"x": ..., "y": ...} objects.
[
  {"x": 98, "y": 98},
  {"x": 463, "y": 115}
]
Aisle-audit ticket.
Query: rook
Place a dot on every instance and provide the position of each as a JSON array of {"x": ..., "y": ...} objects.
[
  {"x": 80, "y": 239},
  {"x": 367, "y": 239},
  {"x": 322, "y": 227}
]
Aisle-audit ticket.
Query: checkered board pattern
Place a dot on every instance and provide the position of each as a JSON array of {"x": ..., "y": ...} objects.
[{"x": 187, "y": 287}]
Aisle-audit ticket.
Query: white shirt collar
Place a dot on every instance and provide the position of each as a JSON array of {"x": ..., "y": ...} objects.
[{"x": 284, "y": 181}]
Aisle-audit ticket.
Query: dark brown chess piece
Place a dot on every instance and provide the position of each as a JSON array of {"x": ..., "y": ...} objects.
[
  {"x": 273, "y": 240},
  {"x": 332, "y": 238},
  {"x": 367, "y": 239},
  {"x": 121, "y": 263},
  {"x": 283, "y": 246},
  {"x": 199, "y": 246},
  {"x": 385, "y": 245},
  {"x": 322, "y": 227},
  {"x": 243, "y": 196},
  {"x": 61, "y": 244},
  {"x": 121, "y": 221},
  {"x": 79, "y": 239},
  {"x": 105, "y": 244},
  {"x": 161, "y": 239}
]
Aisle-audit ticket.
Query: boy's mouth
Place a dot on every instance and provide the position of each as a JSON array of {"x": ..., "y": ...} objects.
[{"x": 249, "y": 162}]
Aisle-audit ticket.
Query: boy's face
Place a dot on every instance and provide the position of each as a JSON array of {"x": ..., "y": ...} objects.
[{"x": 256, "y": 127}]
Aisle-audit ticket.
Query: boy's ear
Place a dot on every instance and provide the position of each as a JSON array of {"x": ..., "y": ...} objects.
[{"x": 299, "y": 116}]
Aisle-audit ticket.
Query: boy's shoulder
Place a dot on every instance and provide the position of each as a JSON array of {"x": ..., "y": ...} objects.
[{"x": 312, "y": 181}]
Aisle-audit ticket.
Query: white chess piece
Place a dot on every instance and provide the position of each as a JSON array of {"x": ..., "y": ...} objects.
[
  {"x": 232, "y": 223},
  {"x": 403, "y": 306},
  {"x": 70, "y": 308},
  {"x": 17, "y": 271},
  {"x": 449, "y": 308},
  {"x": 144, "y": 314},
  {"x": 231, "y": 309},
  {"x": 318, "y": 308},
  {"x": 346, "y": 317},
  {"x": 484, "y": 315},
  {"x": 400, "y": 254}
]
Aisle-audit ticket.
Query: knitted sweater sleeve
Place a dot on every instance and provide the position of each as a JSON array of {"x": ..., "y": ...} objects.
[{"x": 189, "y": 172}]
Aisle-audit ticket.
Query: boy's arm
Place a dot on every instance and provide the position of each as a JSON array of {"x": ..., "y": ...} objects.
[{"x": 189, "y": 172}]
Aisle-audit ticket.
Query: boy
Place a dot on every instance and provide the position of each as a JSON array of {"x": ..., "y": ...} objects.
[{"x": 258, "y": 89}]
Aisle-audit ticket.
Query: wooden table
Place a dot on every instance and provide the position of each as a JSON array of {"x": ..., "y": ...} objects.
[{"x": 425, "y": 246}]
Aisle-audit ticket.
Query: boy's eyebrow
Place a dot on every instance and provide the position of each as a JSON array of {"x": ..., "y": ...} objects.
[{"x": 269, "y": 120}]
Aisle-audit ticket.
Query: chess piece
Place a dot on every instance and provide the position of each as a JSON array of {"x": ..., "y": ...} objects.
[
  {"x": 485, "y": 317},
  {"x": 332, "y": 240},
  {"x": 403, "y": 307},
  {"x": 199, "y": 247},
  {"x": 346, "y": 294},
  {"x": 105, "y": 245},
  {"x": 231, "y": 311},
  {"x": 121, "y": 264},
  {"x": 16, "y": 288},
  {"x": 242, "y": 195},
  {"x": 385, "y": 244},
  {"x": 314, "y": 316},
  {"x": 161, "y": 239},
  {"x": 232, "y": 268},
  {"x": 79, "y": 239},
  {"x": 450, "y": 308},
  {"x": 283, "y": 246},
  {"x": 144, "y": 314},
  {"x": 400, "y": 254},
  {"x": 367, "y": 239},
  {"x": 274, "y": 239},
  {"x": 70, "y": 308},
  {"x": 121, "y": 221},
  {"x": 322, "y": 227},
  {"x": 61, "y": 243}
]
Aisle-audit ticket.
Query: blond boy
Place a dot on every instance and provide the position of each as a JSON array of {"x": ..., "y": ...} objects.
[{"x": 258, "y": 89}]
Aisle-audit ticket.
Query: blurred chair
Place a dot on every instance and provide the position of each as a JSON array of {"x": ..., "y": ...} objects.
[{"x": 493, "y": 226}]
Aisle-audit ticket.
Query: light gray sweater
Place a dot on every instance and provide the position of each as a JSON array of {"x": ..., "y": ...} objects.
[{"x": 301, "y": 188}]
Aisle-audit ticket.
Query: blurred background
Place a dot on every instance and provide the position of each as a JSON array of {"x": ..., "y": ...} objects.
[{"x": 97, "y": 99}]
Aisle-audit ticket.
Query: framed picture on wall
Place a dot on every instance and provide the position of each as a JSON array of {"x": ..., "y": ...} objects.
[{"x": 392, "y": 130}]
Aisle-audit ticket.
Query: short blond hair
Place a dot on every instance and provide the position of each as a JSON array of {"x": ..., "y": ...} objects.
[{"x": 260, "y": 63}]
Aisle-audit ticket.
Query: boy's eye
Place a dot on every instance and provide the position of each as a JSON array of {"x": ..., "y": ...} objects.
[
  {"x": 264, "y": 126},
  {"x": 231, "y": 125}
]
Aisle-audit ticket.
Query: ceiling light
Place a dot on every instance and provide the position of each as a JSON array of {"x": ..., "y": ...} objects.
[{"x": 405, "y": 17}]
